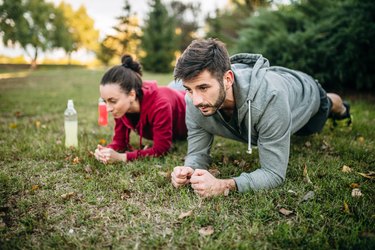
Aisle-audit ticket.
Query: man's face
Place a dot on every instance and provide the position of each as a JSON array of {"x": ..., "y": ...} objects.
[{"x": 206, "y": 92}]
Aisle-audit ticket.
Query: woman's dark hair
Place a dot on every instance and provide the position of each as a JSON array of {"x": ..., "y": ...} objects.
[
  {"x": 201, "y": 55},
  {"x": 127, "y": 75}
]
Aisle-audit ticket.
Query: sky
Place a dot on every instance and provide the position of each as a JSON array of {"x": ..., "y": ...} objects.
[{"x": 104, "y": 13}]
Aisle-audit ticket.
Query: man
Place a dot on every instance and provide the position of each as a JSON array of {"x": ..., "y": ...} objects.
[{"x": 244, "y": 99}]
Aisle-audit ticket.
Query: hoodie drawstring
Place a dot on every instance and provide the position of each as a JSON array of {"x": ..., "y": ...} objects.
[{"x": 249, "y": 149}]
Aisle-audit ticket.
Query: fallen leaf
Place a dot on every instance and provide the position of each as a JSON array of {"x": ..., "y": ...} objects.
[
  {"x": 356, "y": 192},
  {"x": 206, "y": 231},
  {"x": 165, "y": 174},
  {"x": 346, "y": 208},
  {"x": 285, "y": 212},
  {"x": 34, "y": 187},
  {"x": 17, "y": 114},
  {"x": 325, "y": 145},
  {"x": 354, "y": 185},
  {"x": 58, "y": 142},
  {"x": 346, "y": 169},
  {"x": 13, "y": 125},
  {"x": 307, "y": 144},
  {"x": 185, "y": 214},
  {"x": 306, "y": 175},
  {"x": 361, "y": 139},
  {"x": 225, "y": 160},
  {"x": 309, "y": 195},
  {"x": 76, "y": 160},
  {"x": 292, "y": 192},
  {"x": 126, "y": 194},
  {"x": 102, "y": 141},
  {"x": 370, "y": 175},
  {"x": 68, "y": 195},
  {"x": 37, "y": 124},
  {"x": 214, "y": 171},
  {"x": 158, "y": 166},
  {"x": 88, "y": 169}
]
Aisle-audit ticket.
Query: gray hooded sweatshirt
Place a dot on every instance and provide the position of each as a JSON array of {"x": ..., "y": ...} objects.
[{"x": 272, "y": 103}]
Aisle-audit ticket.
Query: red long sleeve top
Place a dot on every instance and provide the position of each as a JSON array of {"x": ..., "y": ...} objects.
[{"x": 161, "y": 119}]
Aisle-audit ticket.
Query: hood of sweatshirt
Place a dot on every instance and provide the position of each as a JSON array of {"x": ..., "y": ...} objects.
[
  {"x": 149, "y": 88},
  {"x": 247, "y": 68}
]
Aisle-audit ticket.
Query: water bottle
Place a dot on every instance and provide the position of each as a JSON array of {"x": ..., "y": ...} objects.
[
  {"x": 71, "y": 125},
  {"x": 102, "y": 111}
]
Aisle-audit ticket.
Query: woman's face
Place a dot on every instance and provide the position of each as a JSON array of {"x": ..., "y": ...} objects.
[{"x": 118, "y": 103}]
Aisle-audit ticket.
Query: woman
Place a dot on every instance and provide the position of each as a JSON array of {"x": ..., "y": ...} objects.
[{"x": 155, "y": 113}]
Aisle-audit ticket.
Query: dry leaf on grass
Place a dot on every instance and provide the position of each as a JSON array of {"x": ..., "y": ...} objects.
[
  {"x": 88, "y": 169},
  {"x": 346, "y": 169},
  {"x": 308, "y": 196},
  {"x": 292, "y": 192},
  {"x": 306, "y": 175},
  {"x": 361, "y": 139},
  {"x": 126, "y": 194},
  {"x": 356, "y": 192},
  {"x": 76, "y": 160},
  {"x": 34, "y": 187},
  {"x": 307, "y": 144},
  {"x": 370, "y": 175},
  {"x": 165, "y": 174},
  {"x": 206, "y": 231},
  {"x": 346, "y": 208},
  {"x": 354, "y": 185},
  {"x": 102, "y": 141},
  {"x": 285, "y": 212},
  {"x": 68, "y": 195},
  {"x": 185, "y": 214}
]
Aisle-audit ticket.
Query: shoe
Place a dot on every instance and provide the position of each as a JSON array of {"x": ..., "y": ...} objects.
[{"x": 344, "y": 119}]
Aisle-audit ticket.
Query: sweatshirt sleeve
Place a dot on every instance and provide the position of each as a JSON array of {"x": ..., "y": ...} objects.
[
  {"x": 120, "y": 140},
  {"x": 273, "y": 146},
  {"x": 161, "y": 121},
  {"x": 199, "y": 141}
]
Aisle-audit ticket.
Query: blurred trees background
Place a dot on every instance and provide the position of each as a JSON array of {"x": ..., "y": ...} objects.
[{"x": 329, "y": 39}]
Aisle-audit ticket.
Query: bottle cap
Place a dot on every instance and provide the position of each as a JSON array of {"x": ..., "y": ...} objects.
[{"x": 70, "y": 103}]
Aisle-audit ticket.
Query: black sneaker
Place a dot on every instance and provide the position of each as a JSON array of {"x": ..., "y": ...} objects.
[{"x": 345, "y": 118}]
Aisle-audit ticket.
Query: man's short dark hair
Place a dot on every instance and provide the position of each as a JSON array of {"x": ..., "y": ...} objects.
[{"x": 200, "y": 55}]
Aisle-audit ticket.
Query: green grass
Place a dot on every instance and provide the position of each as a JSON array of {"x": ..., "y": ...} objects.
[{"x": 135, "y": 206}]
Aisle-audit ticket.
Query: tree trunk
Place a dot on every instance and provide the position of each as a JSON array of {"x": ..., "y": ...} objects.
[{"x": 33, "y": 61}]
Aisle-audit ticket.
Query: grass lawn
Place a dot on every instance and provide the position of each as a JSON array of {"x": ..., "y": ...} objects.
[{"x": 53, "y": 197}]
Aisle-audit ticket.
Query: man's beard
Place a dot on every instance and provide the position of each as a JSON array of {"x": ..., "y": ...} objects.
[{"x": 218, "y": 103}]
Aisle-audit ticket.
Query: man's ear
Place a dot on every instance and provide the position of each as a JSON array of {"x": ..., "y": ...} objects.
[{"x": 228, "y": 79}]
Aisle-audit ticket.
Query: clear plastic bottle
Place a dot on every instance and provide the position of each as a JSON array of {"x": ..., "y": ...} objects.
[
  {"x": 102, "y": 112},
  {"x": 71, "y": 125}
]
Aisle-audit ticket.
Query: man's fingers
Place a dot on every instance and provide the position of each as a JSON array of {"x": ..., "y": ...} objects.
[{"x": 199, "y": 172}]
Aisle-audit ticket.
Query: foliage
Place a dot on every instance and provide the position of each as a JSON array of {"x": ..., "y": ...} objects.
[
  {"x": 33, "y": 23},
  {"x": 158, "y": 41},
  {"x": 331, "y": 40},
  {"x": 52, "y": 197},
  {"x": 186, "y": 24},
  {"x": 81, "y": 28},
  {"x": 227, "y": 22}
]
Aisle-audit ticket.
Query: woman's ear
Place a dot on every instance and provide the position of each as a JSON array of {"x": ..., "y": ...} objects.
[{"x": 132, "y": 94}]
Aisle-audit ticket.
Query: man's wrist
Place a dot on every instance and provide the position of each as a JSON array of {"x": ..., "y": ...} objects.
[{"x": 229, "y": 185}]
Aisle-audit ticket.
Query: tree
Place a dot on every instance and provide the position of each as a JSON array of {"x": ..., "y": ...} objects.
[
  {"x": 186, "y": 24},
  {"x": 158, "y": 40},
  {"x": 81, "y": 27},
  {"x": 126, "y": 40},
  {"x": 34, "y": 24},
  {"x": 331, "y": 40},
  {"x": 227, "y": 22}
]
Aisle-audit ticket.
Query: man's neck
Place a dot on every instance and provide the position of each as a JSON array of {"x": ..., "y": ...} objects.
[{"x": 229, "y": 104}]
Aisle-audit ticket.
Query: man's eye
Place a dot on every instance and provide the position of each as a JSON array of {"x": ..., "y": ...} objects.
[{"x": 203, "y": 88}]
